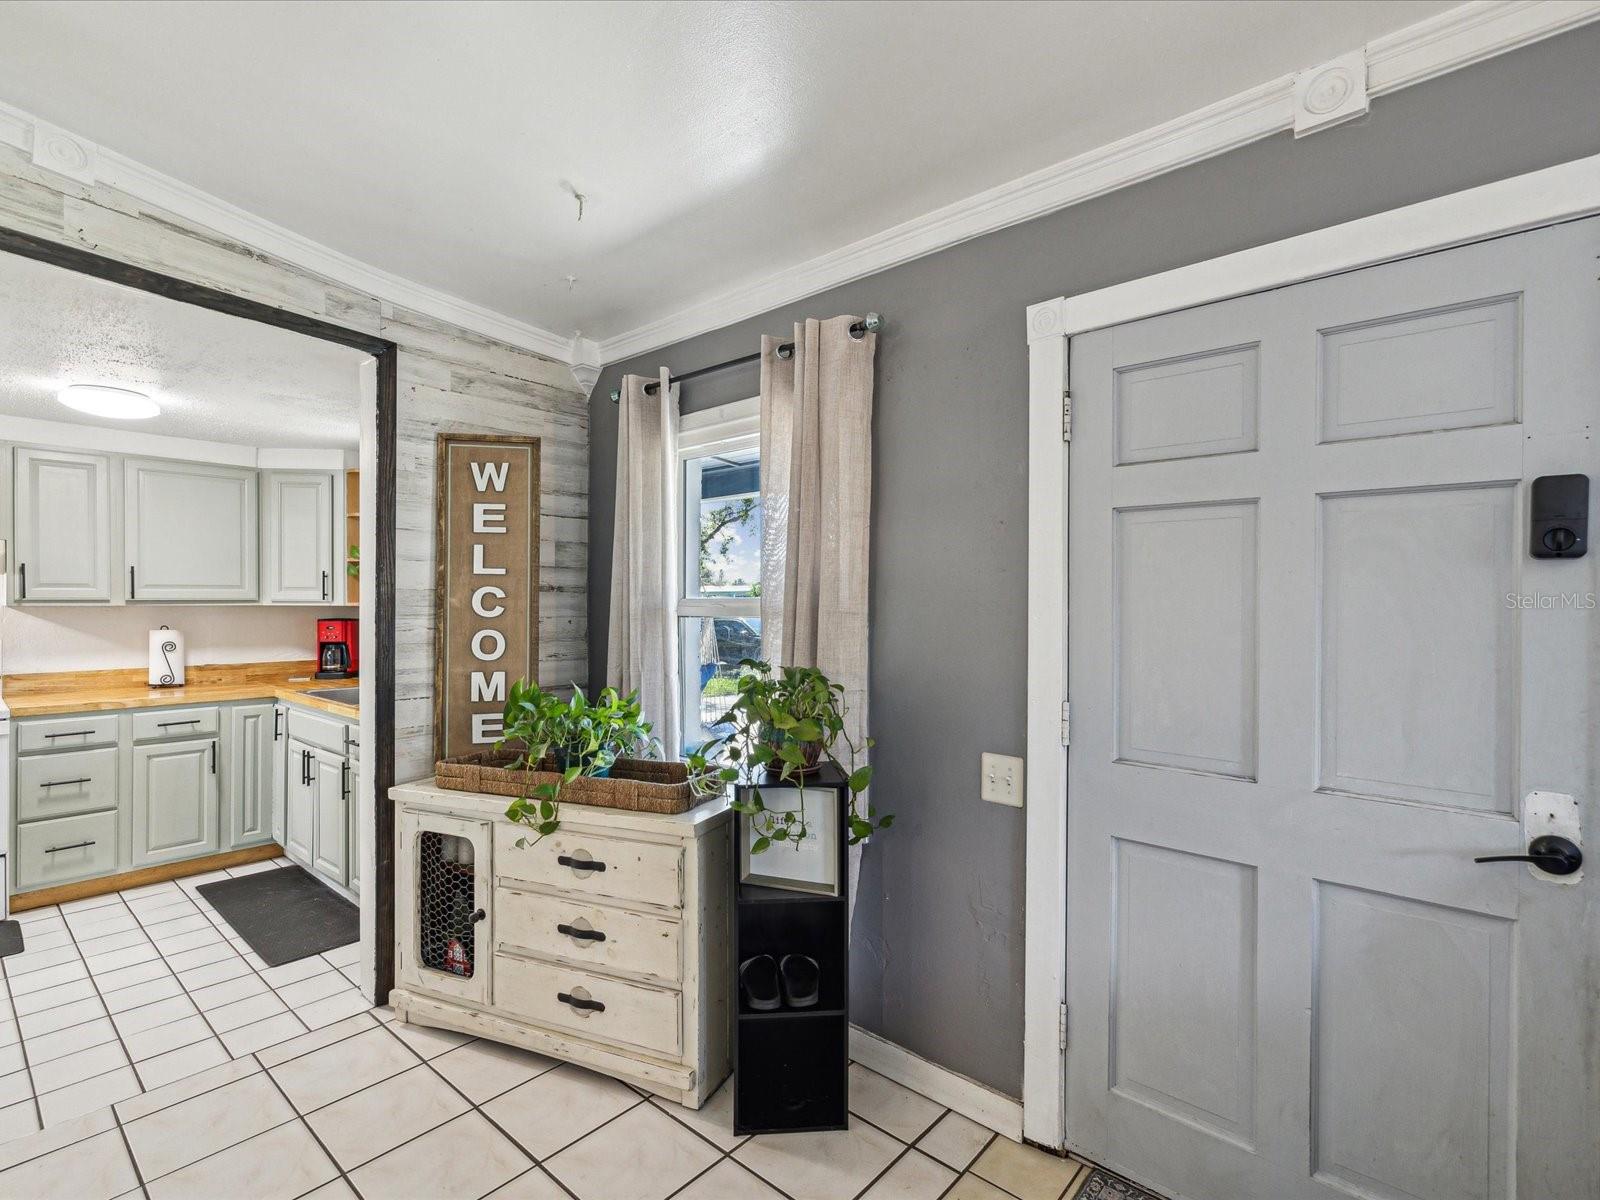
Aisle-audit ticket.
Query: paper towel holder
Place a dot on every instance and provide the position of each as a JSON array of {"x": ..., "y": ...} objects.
[{"x": 165, "y": 674}]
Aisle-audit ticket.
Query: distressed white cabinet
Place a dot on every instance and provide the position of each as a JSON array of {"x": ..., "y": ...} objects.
[
  {"x": 298, "y": 560},
  {"x": 606, "y": 944},
  {"x": 330, "y": 855},
  {"x": 175, "y": 798},
  {"x": 62, "y": 515},
  {"x": 190, "y": 531},
  {"x": 300, "y": 803},
  {"x": 251, "y": 743}
]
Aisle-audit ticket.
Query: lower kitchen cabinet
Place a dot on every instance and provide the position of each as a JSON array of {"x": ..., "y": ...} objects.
[
  {"x": 252, "y": 742},
  {"x": 300, "y": 804},
  {"x": 175, "y": 801},
  {"x": 330, "y": 854}
]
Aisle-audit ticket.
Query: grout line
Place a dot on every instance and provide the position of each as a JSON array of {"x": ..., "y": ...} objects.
[
  {"x": 22, "y": 1042},
  {"x": 128, "y": 1146},
  {"x": 106, "y": 1010},
  {"x": 298, "y": 1116}
]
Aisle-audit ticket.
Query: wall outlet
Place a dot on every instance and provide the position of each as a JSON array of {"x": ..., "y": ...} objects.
[{"x": 1002, "y": 780}]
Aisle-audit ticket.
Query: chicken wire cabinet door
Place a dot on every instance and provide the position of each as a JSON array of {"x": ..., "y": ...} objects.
[{"x": 446, "y": 935}]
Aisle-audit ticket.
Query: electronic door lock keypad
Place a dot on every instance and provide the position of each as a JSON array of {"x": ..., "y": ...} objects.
[{"x": 1558, "y": 516}]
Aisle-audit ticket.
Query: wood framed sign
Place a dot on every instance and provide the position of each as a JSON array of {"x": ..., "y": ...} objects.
[{"x": 488, "y": 584}]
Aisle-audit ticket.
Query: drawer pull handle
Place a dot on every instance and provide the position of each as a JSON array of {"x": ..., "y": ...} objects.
[
  {"x": 65, "y": 782},
  {"x": 169, "y": 724},
  {"x": 74, "y": 846},
  {"x": 579, "y": 1003},
  {"x": 580, "y": 864},
  {"x": 74, "y": 733},
  {"x": 583, "y": 935}
]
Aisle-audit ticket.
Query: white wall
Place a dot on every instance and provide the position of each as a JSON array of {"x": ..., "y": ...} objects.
[{"x": 80, "y": 638}]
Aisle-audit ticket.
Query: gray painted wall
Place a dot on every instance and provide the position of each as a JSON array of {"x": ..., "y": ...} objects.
[{"x": 938, "y": 956}]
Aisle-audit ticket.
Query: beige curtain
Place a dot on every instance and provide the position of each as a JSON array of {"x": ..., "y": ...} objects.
[
  {"x": 816, "y": 497},
  {"x": 642, "y": 651}
]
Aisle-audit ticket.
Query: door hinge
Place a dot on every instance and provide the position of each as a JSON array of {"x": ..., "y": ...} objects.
[
  {"x": 1066, "y": 415},
  {"x": 1062, "y": 1027},
  {"x": 1066, "y": 723}
]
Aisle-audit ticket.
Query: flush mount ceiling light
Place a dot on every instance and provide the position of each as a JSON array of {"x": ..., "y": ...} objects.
[{"x": 117, "y": 403}]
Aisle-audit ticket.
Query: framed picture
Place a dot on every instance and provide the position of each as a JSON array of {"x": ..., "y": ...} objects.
[{"x": 811, "y": 865}]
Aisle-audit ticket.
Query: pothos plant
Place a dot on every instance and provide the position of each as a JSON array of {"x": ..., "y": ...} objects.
[
  {"x": 580, "y": 736},
  {"x": 785, "y": 722}
]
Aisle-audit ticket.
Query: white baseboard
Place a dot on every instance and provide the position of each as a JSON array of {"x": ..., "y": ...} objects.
[{"x": 973, "y": 1100}]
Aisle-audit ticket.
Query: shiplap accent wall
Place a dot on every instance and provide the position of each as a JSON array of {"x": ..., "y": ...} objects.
[{"x": 449, "y": 379}]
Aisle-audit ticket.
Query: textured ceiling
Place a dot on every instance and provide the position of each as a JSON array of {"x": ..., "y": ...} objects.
[
  {"x": 717, "y": 143},
  {"x": 216, "y": 377}
]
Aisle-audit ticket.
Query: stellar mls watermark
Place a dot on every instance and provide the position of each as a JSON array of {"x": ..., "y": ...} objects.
[{"x": 1549, "y": 601}]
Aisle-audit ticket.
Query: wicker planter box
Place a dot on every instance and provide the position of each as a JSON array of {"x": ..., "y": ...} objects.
[{"x": 635, "y": 784}]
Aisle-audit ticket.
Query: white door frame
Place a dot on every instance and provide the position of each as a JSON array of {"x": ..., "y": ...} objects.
[{"x": 1544, "y": 197}]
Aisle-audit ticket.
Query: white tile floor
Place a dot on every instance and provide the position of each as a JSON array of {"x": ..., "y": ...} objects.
[
  {"x": 228, "y": 1079},
  {"x": 116, "y": 995}
]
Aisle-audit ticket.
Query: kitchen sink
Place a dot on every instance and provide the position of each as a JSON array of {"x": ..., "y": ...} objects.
[{"x": 339, "y": 695}]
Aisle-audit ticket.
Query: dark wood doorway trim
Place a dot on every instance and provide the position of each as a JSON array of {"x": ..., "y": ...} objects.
[{"x": 386, "y": 353}]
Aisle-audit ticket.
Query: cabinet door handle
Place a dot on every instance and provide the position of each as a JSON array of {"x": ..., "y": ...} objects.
[
  {"x": 132, "y": 593},
  {"x": 580, "y": 864},
  {"x": 277, "y": 723},
  {"x": 324, "y": 585},
  {"x": 64, "y": 782},
  {"x": 213, "y": 758},
  {"x": 74, "y": 846},
  {"x": 344, "y": 780},
  {"x": 583, "y": 935},
  {"x": 579, "y": 1003},
  {"x": 479, "y": 916},
  {"x": 22, "y": 581},
  {"x": 305, "y": 766}
]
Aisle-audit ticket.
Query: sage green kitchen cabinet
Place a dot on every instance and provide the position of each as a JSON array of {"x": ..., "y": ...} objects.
[
  {"x": 190, "y": 531},
  {"x": 298, "y": 557},
  {"x": 300, "y": 803},
  {"x": 251, "y": 745},
  {"x": 62, "y": 515},
  {"x": 175, "y": 800}
]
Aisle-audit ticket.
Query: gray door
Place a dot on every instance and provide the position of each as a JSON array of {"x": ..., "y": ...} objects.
[{"x": 1314, "y": 671}]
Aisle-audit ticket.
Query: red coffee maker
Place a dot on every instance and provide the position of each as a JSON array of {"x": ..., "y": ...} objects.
[{"x": 336, "y": 647}]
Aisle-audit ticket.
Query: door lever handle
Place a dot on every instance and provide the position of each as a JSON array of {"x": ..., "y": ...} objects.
[{"x": 1556, "y": 855}]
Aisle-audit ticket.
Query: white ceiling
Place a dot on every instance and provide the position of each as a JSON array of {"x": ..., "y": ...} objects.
[
  {"x": 717, "y": 143},
  {"x": 217, "y": 378}
]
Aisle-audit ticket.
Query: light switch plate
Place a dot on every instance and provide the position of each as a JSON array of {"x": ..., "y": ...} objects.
[{"x": 1001, "y": 781}]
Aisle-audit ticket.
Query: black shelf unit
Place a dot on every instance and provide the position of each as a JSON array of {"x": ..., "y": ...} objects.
[{"x": 792, "y": 1066}]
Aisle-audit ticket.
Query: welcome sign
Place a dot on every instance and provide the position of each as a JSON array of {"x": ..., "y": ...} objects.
[{"x": 488, "y": 584}]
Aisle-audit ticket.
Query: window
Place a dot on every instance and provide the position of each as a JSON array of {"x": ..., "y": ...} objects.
[{"x": 719, "y": 606}]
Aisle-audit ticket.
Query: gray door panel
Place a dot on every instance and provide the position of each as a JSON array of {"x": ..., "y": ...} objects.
[{"x": 1312, "y": 677}]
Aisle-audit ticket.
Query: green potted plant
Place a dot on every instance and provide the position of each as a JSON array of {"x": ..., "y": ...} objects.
[
  {"x": 786, "y": 722},
  {"x": 578, "y": 736}
]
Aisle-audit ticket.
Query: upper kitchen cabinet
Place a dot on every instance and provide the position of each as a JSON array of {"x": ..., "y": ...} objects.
[
  {"x": 299, "y": 559},
  {"x": 63, "y": 526},
  {"x": 190, "y": 530}
]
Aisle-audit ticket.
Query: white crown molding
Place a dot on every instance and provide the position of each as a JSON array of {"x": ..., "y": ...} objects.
[
  {"x": 18, "y": 128},
  {"x": 1453, "y": 39}
]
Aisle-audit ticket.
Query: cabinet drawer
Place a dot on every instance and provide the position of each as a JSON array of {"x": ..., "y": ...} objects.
[
  {"x": 176, "y": 723},
  {"x": 592, "y": 865},
  {"x": 62, "y": 785},
  {"x": 632, "y": 1014},
  {"x": 67, "y": 733},
  {"x": 65, "y": 849},
  {"x": 322, "y": 732},
  {"x": 589, "y": 935}
]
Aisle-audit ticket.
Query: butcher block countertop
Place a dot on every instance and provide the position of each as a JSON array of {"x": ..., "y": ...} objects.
[{"x": 99, "y": 691}]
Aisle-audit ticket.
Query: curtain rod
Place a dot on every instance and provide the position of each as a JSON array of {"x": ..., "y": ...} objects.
[{"x": 870, "y": 324}]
